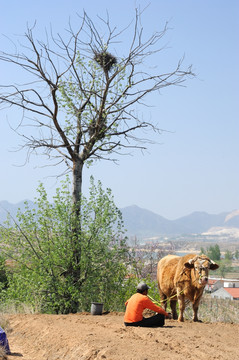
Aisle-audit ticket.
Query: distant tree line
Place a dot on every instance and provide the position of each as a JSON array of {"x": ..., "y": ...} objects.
[{"x": 214, "y": 253}]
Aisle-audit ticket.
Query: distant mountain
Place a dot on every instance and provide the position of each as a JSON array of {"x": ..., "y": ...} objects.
[
  {"x": 232, "y": 219},
  {"x": 144, "y": 223},
  {"x": 198, "y": 222},
  {"x": 12, "y": 209}
]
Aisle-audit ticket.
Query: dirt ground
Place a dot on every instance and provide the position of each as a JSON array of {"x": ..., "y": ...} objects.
[{"x": 90, "y": 337}]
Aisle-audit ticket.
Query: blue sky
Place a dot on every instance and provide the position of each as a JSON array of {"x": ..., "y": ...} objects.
[{"x": 194, "y": 165}]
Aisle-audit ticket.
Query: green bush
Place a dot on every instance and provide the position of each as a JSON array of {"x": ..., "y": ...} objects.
[{"x": 57, "y": 270}]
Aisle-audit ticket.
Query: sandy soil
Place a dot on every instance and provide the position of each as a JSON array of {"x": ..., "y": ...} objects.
[{"x": 88, "y": 337}]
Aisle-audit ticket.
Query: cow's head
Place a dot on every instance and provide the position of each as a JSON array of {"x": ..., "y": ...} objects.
[{"x": 201, "y": 265}]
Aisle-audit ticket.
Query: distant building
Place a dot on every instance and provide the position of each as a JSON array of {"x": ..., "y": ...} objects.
[
  {"x": 231, "y": 283},
  {"x": 223, "y": 288},
  {"x": 213, "y": 285},
  {"x": 226, "y": 293}
]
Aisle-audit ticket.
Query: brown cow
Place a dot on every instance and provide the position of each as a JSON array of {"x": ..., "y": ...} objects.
[{"x": 183, "y": 277}]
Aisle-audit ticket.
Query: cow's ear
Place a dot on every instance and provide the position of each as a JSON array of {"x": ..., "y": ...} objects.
[
  {"x": 213, "y": 266},
  {"x": 189, "y": 265}
]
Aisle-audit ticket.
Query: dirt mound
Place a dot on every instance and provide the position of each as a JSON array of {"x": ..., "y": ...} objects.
[{"x": 87, "y": 337}]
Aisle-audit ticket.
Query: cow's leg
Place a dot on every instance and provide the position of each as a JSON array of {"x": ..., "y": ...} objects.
[
  {"x": 163, "y": 298},
  {"x": 195, "y": 310},
  {"x": 181, "y": 304},
  {"x": 173, "y": 304}
]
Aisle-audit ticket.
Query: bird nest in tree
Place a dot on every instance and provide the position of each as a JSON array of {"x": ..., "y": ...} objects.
[{"x": 105, "y": 60}]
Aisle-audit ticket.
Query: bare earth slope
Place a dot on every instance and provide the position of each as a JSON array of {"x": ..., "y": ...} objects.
[{"x": 87, "y": 337}]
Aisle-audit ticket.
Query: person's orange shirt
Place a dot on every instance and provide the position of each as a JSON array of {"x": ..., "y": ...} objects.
[{"x": 136, "y": 305}]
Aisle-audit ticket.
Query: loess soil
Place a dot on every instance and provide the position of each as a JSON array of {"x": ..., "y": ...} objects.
[{"x": 86, "y": 337}]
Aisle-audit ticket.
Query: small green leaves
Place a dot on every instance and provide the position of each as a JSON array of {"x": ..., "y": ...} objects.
[{"x": 47, "y": 274}]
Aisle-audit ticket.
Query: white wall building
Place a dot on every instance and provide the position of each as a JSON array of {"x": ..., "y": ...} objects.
[{"x": 226, "y": 293}]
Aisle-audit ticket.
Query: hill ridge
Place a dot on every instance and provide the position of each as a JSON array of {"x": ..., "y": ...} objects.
[{"x": 146, "y": 223}]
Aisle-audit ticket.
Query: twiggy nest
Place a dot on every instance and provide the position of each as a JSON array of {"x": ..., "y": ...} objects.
[{"x": 105, "y": 60}]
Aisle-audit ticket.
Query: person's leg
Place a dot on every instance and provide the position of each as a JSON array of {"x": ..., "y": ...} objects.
[
  {"x": 156, "y": 320},
  {"x": 138, "y": 323}
]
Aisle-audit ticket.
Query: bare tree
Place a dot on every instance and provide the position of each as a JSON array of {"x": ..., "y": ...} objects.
[{"x": 81, "y": 98}]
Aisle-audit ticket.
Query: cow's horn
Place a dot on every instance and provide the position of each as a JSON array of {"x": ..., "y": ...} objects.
[{"x": 192, "y": 261}]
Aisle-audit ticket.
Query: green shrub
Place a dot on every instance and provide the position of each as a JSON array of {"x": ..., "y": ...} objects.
[{"x": 57, "y": 270}]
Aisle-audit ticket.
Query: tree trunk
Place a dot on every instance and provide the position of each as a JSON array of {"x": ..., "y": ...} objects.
[
  {"x": 76, "y": 220},
  {"x": 77, "y": 184}
]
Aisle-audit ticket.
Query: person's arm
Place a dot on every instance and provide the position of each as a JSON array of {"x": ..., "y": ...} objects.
[{"x": 150, "y": 305}]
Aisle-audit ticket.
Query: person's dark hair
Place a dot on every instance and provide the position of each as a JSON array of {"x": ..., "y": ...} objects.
[
  {"x": 141, "y": 287},
  {"x": 140, "y": 291}
]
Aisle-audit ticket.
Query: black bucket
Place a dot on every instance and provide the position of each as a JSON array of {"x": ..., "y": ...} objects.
[{"x": 96, "y": 308}]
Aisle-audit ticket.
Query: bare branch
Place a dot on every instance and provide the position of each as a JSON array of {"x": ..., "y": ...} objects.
[{"x": 80, "y": 108}]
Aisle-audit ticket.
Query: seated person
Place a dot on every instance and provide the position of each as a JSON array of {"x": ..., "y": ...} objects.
[{"x": 136, "y": 305}]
